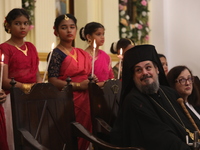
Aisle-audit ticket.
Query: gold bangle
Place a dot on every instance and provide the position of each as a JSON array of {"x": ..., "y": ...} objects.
[
  {"x": 76, "y": 86},
  {"x": 72, "y": 85},
  {"x": 26, "y": 87}
]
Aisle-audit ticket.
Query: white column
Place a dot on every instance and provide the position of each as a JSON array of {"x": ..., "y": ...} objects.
[
  {"x": 45, "y": 14},
  {"x": 44, "y": 20},
  {"x": 5, "y": 7},
  {"x": 98, "y": 11},
  {"x": 110, "y": 20}
]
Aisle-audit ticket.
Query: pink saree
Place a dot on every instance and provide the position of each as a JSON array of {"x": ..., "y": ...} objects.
[
  {"x": 78, "y": 71},
  {"x": 102, "y": 66}
]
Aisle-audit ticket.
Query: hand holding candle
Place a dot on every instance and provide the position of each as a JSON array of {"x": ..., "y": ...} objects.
[
  {"x": 1, "y": 77},
  {"x": 52, "y": 47},
  {"x": 120, "y": 63},
  {"x": 93, "y": 57}
]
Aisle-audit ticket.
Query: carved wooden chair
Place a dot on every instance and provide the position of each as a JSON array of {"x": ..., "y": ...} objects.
[
  {"x": 104, "y": 104},
  {"x": 112, "y": 91},
  {"x": 39, "y": 118},
  {"x": 44, "y": 119}
]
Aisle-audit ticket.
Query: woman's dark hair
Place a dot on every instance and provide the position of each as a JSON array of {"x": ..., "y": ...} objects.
[
  {"x": 89, "y": 28},
  {"x": 161, "y": 55},
  {"x": 173, "y": 74},
  {"x": 13, "y": 14},
  {"x": 122, "y": 43},
  {"x": 61, "y": 17}
]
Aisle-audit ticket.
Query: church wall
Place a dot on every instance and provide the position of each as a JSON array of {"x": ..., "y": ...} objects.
[
  {"x": 174, "y": 26},
  {"x": 175, "y": 31}
]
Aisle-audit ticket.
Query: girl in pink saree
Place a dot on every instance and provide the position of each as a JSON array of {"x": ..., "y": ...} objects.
[
  {"x": 68, "y": 61},
  {"x": 102, "y": 65}
]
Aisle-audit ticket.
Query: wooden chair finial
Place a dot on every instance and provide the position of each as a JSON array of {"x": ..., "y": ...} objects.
[
  {"x": 68, "y": 80},
  {"x": 13, "y": 82}
]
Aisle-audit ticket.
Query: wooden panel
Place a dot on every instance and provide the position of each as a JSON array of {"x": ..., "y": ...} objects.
[{"x": 43, "y": 56}]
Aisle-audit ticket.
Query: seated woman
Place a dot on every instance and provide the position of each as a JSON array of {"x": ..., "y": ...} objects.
[
  {"x": 125, "y": 44},
  {"x": 181, "y": 79}
]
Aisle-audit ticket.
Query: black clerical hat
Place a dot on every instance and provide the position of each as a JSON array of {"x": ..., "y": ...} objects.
[
  {"x": 141, "y": 53},
  {"x": 132, "y": 57}
]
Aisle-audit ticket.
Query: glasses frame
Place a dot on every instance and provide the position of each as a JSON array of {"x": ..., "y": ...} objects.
[{"x": 183, "y": 81}]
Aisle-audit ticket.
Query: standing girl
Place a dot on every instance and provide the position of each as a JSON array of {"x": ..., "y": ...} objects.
[
  {"x": 164, "y": 63},
  {"x": 68, "y": 61},
  {"x": 102, "y": 65},
  {"x": 124, "y": 44},
  {"x": 21, "y": 60}
]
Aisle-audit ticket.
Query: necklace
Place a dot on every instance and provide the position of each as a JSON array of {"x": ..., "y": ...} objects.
[
  {"x": 181, "y": 124},
  {"x": 23, "y": 51},
  {"x": 74, "y": 56}
]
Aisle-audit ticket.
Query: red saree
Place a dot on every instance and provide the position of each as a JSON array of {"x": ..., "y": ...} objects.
[
  {"x": 78, "y": 71},
  {"x": 24, "y": 69},
  {"x": 3, "y": 140}
]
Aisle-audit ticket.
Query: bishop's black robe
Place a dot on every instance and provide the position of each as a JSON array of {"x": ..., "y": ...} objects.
[{"x": 143, "y": 123}]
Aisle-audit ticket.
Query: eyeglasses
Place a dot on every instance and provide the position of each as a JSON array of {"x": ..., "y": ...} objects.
[{"x": 183, "y": 81}]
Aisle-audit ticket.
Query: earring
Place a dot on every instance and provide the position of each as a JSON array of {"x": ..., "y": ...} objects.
[
  {"x": 9, "y": 31},
  {"x": 89, "y": 42}
]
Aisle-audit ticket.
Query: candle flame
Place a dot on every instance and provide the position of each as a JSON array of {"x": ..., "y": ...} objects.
[
  {"x": 2, "y": 57},
  {"x": 94, "y": 44},
  {"x": 52, "y": 46},
  {"x": 120, "y": 51}
]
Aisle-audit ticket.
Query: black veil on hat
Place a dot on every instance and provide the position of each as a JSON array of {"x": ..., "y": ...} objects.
[{"x": 132, "y": 57}]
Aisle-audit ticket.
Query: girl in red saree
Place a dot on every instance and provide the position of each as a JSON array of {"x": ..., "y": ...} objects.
[
  {"x": 21, "y": 61},
  {"x": 68, "y": 61}
]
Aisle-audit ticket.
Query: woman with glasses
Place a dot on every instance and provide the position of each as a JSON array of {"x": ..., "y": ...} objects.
[{"x": 181, "y": 79}]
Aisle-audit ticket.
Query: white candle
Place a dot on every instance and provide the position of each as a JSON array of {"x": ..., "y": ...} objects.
[
  {"x": 1, "y": 77},
  {"x": 52, "y": 47},
  {"x": 93, "y": 58},
  {"x": 120, "y": 63}
]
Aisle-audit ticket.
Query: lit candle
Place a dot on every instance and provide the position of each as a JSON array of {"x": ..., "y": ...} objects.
[
  {"x": 93, "y": 58},
  {"x": 1, "y": 77},
  {"x": 52, "y": 47},
  {"x": 120, "y": 63}
]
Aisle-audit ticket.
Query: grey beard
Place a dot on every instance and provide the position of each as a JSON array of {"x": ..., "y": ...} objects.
[{"x": 150, "y": 88}]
